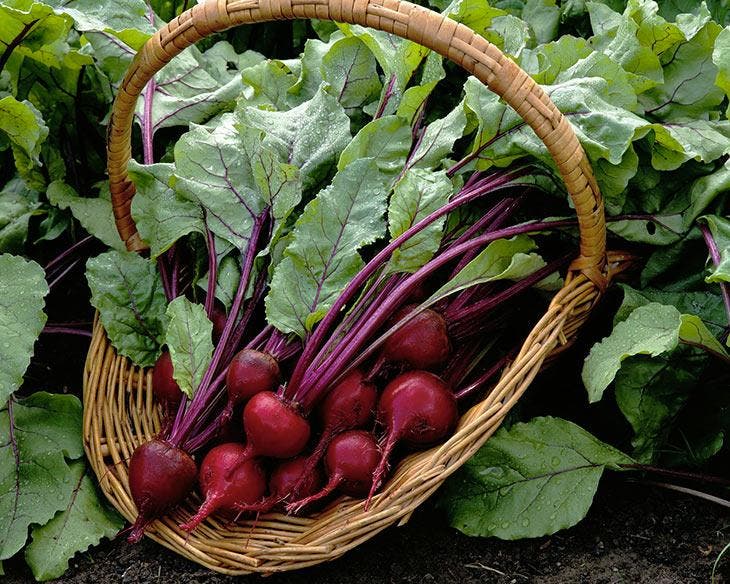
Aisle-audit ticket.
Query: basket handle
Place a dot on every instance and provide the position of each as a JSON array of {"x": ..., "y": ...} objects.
[{"x": 421, "y": 25}]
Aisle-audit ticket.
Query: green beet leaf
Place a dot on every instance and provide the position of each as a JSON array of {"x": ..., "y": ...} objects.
[
  {"x": 530, "y": 480},
  {"x": 322, "y": 256},
  {"x": 418, "y": 194},
  {"x": 543, "y": 16},
  {"x": 619, "y": 38},
  {"x": 651, "y": 391},
  {"x": 195, "y": 85},
  {"x": 706, "y": 305},
  {"x": 721, "y": 58},
  {"x": 310, "y": 136},
  {"x": 414, "y": 97},
  {"x": 396, "y": 56},
  {"x": 649, "y": 330},
  {"x": 438, "y": 139},
  {"x": 127, "y": 291},
  {"x": 161, "y": 216},
  {"x": 233, "y": 178},
  {"x": 94, "y": 213},
  {"x": 269, "y": 84},
  {"x": 82, "y": 523},
  {"x": 22, "y": 290},
  {"x": 692, "y": 331},
  {"x": 36, "y": 435},
  {"x": 386, "y": 139},
  {"x": 351, "y": 69},
  {"x": 503, "y": 259},
  {"x": 24, "y": 127},
  {"x": 92, "y": 15},
  {"x": 189, "y": 338},
  {"x": 39, "y": 33},
  {"x": 689, "y": 88},
  {"x": 17, "y": 205}
]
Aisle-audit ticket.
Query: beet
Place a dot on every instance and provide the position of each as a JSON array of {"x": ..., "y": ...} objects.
[
  {"x": 273, "y": 428},
  {"x": 417, "y": 408},
  {"x": 285, "y": 478},
  {"x": 350, "y": 461},
  {"x": 421, "y": 343},
  {"x": 228, "y": 478},
  {"x": 347, "y": 406},
  {"x": 160, "y": 477},
  {"x": 164, "y": 386},
  {"x": 249, "y": 373},
  {"x": 284, "y": 483}
]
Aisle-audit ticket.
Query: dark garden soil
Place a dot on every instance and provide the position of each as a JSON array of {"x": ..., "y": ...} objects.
[{"x": 633, "y": 533}]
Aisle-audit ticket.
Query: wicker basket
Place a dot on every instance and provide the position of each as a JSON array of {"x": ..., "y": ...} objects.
[{"x": 119, "y": 411}]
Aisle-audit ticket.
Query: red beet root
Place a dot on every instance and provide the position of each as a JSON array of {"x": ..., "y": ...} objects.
[
  {"x": 283, "y": 483},
  {"x": 273, "y": 428},
  {"x": 417, "y": 408},
  {"x": 249, "y": 373},
  {"x": 422, "y": 343},
  {"x": 228, "y": 479},
  {"x": 350, "y": 461},
  {"x": 349, "y": 405},
  {"x": 164, "y": 386},
  {"x": 285, "y": 478},
  {"x": 160, "y": 477}
]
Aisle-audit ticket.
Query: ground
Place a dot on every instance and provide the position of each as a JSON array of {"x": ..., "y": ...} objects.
[{"x": 634, "y": 533}]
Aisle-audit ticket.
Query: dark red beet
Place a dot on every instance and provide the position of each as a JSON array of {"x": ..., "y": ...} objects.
[
  {"x": 421, "y": 343},
  {"x": 249, "y": 373},
  {"x": 285, "y": 477},
  {"x": 228, "y": 478},
  {"x": 350, "y": 461},
  {"x": 229, "y": 430},
  {"x": 283, "y": 482},
  {"x": 273, "y": 428},
  {"x": 349, "y": 405},
  {"x": 160, "y": 477},
  {"x": 164, "y": 386},
  {"x": 417, "y": 408}
]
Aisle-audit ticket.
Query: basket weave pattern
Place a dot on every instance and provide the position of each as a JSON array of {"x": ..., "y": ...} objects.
[{"x": 119, "y": 411}]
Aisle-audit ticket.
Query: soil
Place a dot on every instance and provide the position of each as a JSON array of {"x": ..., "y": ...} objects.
[{"x": 633, "y": 533}]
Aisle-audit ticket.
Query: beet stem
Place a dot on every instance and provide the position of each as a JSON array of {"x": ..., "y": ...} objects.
[
  {"x": 343, "y": 356},
  {"x": 478, "y": 309},
  {"x": 327, "y": 434},
  {"x": 715, "y": 256},
  {"x": 212, "y": 272},
  {"x": 202, "y": 398},
  {"x": 312, "y": 350}
]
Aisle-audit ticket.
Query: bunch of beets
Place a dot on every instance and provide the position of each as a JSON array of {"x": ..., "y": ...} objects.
[{"x": 390, "y": 364}]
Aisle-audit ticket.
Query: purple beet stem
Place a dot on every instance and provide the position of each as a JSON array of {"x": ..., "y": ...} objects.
[
  {"x": 188, "y": 416},
  {"x": 715, "y": 256},
  {"x": 343, "y": 356},
  {"x": 313, "y": 345}
]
